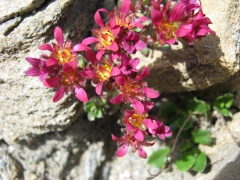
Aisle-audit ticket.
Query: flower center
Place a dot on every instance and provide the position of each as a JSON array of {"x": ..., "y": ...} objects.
[
  {"x": 168, "y": 29},
  {"x": 137, "y": 121},
  {"x": 69, "y": 78},
  {"x": 133, "y": 89},
  {"x": 103, "y": 71},
  {"x": 64, "y": 56}
]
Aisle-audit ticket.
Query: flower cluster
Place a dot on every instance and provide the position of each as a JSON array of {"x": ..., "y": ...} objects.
[{"x": 109, "y": 64}]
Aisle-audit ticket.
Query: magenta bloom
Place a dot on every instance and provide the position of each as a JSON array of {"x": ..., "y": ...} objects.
[
  {"x": 162, "y": 131},
  {"x": 133, "y": 88},
  {"x": 131, "y": 43},
  {"x": 59, "y": 69},
  {"x": 104, "y": 72},
  {"x": 196, "y": 29},
  {"x": 104, "y": 37},
  {"x": 136, "y": 120},
  {"x": 179, "y": 22},
  {"x": 128, "y": 66},
  {"x": 128, "y": 140}
]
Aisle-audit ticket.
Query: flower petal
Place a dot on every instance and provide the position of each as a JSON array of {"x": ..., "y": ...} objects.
[
  {"x": 156, "y": 16},
  {"x": 116, "y": 30},
  {"x": 125, "y": 7},
  {"x": 148, "y": 106},
  {"x": 138, "y": 106},
  {"x": 114, "y": 137},
  {"x": 46, "y": 47},
  {"x": 183, "y": 30},
  {"x": 89, "y": 40},
  {"x": 88, "y": 73},
  {"x": 97, "y": 17},
  {"x": 143, "y": 74},
  {"x": 33, "y": 61},
  {"x": 114, "y": 46},
  {"x": 115, "y": 71},
  {"x": 51, "y": 61},
  {"x": 134, "y": 62},
  {"x": 91, "y": 56},
  {"x": 33, "y": 71},
  {"x": 150, "y": 124},
  {"x": 81, "y": 94},
  {"x": 81, "y": 47},
  {"x": 140, "y": 45},
  {"x": 177, "y": 12},
  {"x": 69, "y": 66},
  {"x": 51, "y": 82},
  {"x": 58, "y": 34},
  {"x": 155, "y": 5},
  {"x": 99, "y": 54},
  {"x": 121, "y": 80},
  {"x": 117, "y": 99},
  {"x": 43, "y": 76},
  {"x": 150, "y": 92},
  {"x": 141, "y": 152},
  {"x": 138, "y": 22},
  {"x": 99, "y": 88},
  {"x": 122, "y": 150},
  {"x": 138, "y": 134},
  {"x": 58, "y": 95}
]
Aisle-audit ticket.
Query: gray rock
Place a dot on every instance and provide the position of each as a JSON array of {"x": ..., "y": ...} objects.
[
  {"x": 26, "y": 106},
  {"x": 32, "y": 146},
  {"x": 213, "y": 60}
]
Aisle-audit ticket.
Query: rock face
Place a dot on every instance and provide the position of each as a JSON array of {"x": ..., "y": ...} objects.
[
  {"x": 44, "y": 140},
  {"x": 213, "y": 60},
  {"x": 26, "y": 106}
]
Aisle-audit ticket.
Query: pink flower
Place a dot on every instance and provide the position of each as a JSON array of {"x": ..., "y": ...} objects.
[
  {"x": 104, "y": 71},
  {"x": 128, "y": 140},
  {"x": 179, "y": 22},
  {"x": 59, "y": 69},
  {"x": 131, "y": 43},
  {"x": 104, "y": 36},
  {"x": 136, "y": 120},
  {"x": 125, "y": 18},
  {"x": 128, "y": 66},
  {"x": 133, "y": 88},
  {"x": 196, "y": 28},
  {"x": 161, "y": 131}
]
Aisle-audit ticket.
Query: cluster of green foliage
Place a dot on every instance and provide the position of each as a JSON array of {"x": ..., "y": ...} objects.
[
  {"x": 186, "y": 120},
  {"x": 95, "y": 107}
]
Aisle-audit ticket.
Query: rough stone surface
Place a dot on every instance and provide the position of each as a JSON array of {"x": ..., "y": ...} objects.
[
  {"x": 26, "y": 106},
  {"x": 211, "y": 61},
  {"x": 32, "y": 147},
  {"x": 77, "y": 153}
]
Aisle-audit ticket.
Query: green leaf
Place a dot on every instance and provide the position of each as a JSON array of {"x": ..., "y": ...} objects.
[
  {"x": 223, "y": 111},
  {"x": 195, "y": 105},
  {"x": 201, "y": 136},
  {"x": 185, "y": 146},
  {"x": 158, "y": 158},
  {"x": 88, "y": 106},
  {"x": 99, "y": 113},
  {"x": 200, "y": 162},
  {"x": 91, "y": 117},
  {"x": 186, "y": 161},
  {"x": 168, "y": 109},
  {"x": 225, "y": 100}
]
